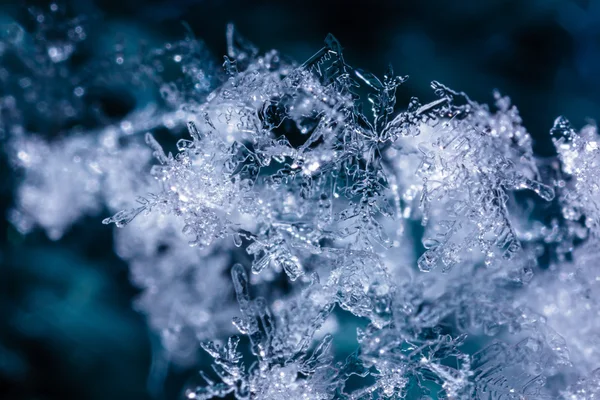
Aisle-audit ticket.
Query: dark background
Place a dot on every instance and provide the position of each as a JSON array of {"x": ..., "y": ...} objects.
[{"x": 67, "y": 329}]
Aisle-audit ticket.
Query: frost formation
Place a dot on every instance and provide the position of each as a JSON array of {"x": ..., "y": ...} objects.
[{"x": 425, "y": 225}]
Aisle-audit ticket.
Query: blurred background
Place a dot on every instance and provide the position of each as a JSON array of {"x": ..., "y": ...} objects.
[{"x": 67, "y": 328}]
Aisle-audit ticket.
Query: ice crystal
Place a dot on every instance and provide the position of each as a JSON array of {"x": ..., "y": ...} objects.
[
  {"x": 288, "y": 195},
  {"x": 585, "y": 389},
  {"x": 175, "y": 290},
  {"x": 80, "y": 171},
  {"x": 568, "y": 294},
  {"x": 458, "y": 168},
  {"x": 280, "y": 343},
  {"x": 579, "y": 154}
]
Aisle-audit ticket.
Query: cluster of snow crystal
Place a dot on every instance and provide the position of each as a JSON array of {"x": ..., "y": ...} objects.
[
  {"x": 280, "y": 342},
  {"x": 569, "y": 299},
  {"x": 73, "y": 161},
  {"x": 74, "y": 176},
  {"x": 290, "y": 196},
  {"x": 184, "y": 301},
  {"x": 456, "y": 170},
  {"x": 579, "y": 155}
]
